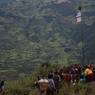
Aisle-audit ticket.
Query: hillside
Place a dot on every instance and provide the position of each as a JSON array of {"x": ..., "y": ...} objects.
[{"x": 40, "y": 31}]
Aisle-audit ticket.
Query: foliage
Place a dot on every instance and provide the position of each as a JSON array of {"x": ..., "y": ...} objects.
[
  {"x": 33, "y": 32},
  {"x": 37, "y": 31},
  {"x": 26, "y": 86}
]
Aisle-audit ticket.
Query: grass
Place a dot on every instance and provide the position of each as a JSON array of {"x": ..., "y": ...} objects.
[{"x": 26, "y": 86}]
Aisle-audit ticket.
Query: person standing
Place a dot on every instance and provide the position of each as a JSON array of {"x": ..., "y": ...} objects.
[{"x": 2, "y": 88}]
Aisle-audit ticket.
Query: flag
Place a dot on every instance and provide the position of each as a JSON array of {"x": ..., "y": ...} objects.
[{"x": 78, "y": 17}]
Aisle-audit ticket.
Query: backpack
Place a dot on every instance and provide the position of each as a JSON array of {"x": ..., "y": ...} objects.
[
  {"x": 51, "y": 85},
  {"x": 56, "y": 78}
]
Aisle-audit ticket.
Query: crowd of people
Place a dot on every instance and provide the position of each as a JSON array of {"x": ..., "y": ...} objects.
[{"x": 70, "y": 75}]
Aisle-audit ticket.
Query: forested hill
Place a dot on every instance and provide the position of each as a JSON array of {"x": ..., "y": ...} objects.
[
  {"x": 37, "y": 31},
  {"x": 5, "y": 1}
]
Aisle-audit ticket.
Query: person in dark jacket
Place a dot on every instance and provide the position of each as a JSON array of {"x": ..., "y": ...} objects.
[
  {"x": 2, "y": 88},
  {"x": 51, "y": 85},
  {"x": 57, "y": 80}
]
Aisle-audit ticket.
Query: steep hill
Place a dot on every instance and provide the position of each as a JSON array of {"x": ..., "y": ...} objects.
[{"x": 38, "y": 31}]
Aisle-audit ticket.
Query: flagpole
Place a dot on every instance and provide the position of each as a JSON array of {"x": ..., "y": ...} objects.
[
  {"x": 82, "y": 41},
  {"x": 82, "y": 48},
  {"x": 79, "y": 21}
]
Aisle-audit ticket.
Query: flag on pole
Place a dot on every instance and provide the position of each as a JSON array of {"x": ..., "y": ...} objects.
[{"x": 78, "y": 17}]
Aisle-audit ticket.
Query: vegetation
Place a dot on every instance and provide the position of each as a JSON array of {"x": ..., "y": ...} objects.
[
  {"x": 26, "y": 86},
  {"x": 33, "y": 32},
  {"x": 36, "y": 31}
]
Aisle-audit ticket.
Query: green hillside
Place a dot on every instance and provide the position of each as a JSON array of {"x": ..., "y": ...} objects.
[{"x": 39, "y": 31}]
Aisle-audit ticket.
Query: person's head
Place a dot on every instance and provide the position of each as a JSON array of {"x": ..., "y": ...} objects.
[
  {"x": 55, "y": 72},
  {"x": 50, "y": 77},
  {"x": 2, "y": 83}
]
